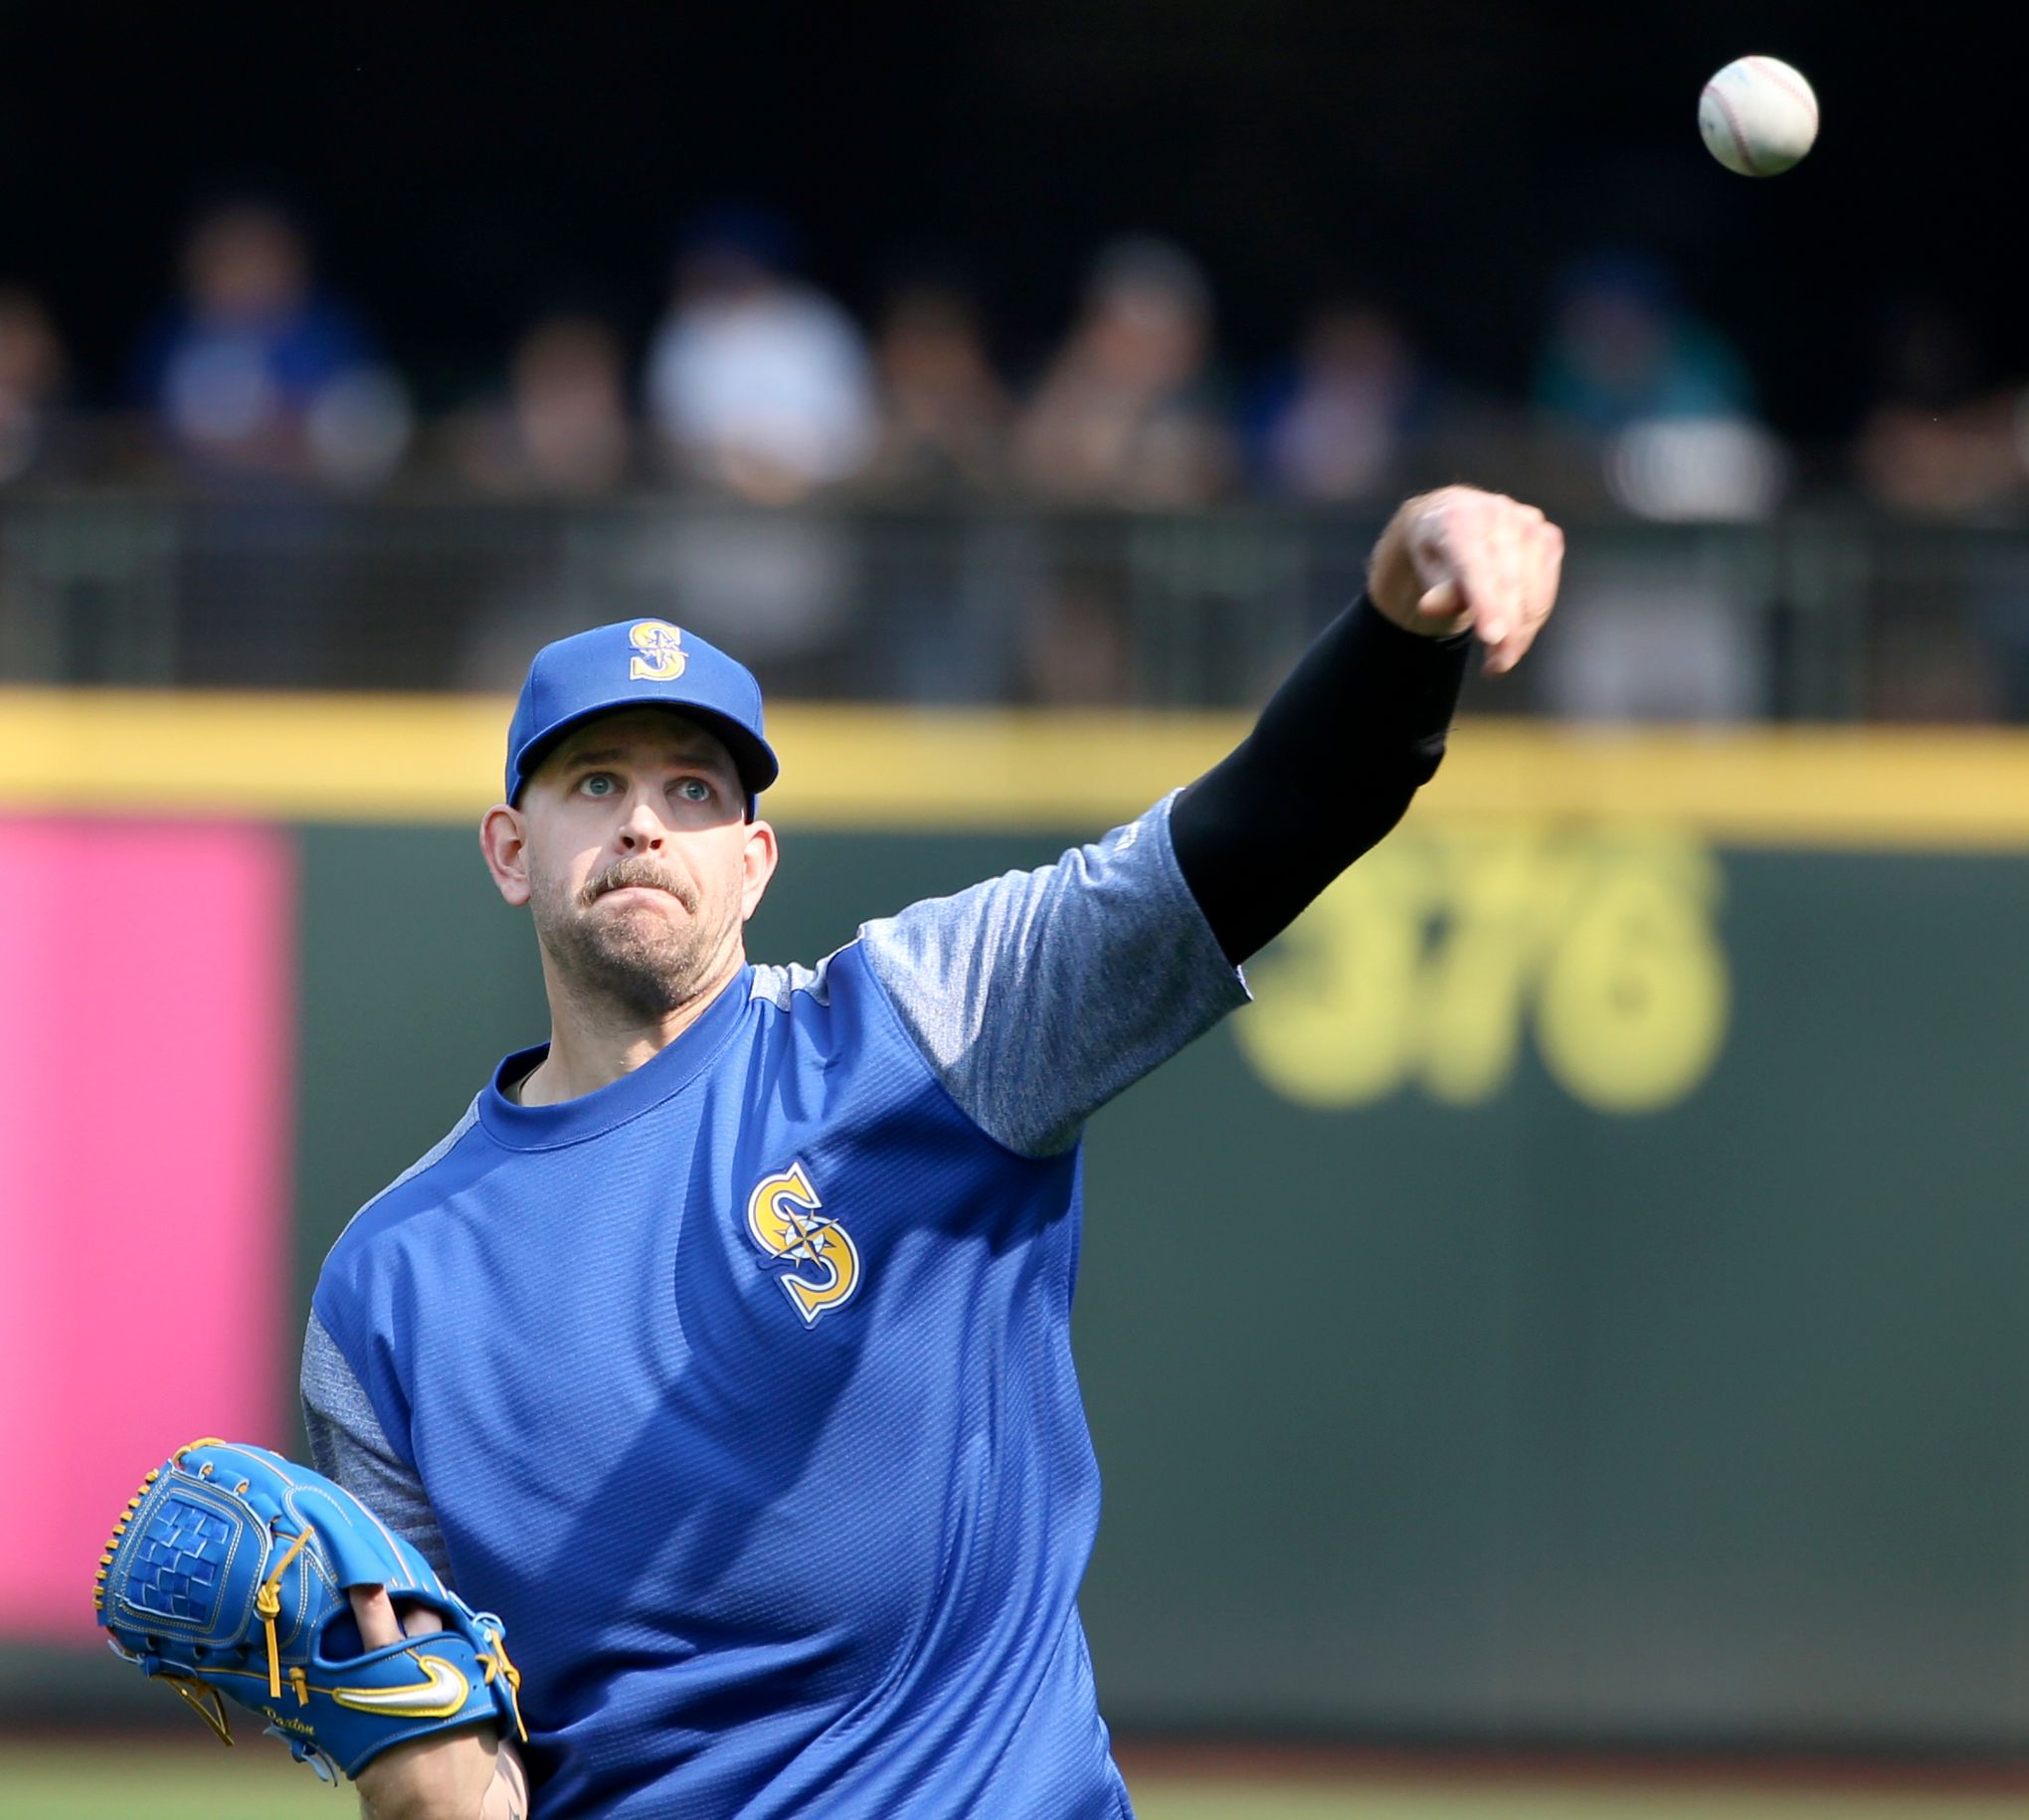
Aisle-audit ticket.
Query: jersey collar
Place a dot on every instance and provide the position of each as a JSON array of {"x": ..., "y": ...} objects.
[{"x": 591, "y": 1115}]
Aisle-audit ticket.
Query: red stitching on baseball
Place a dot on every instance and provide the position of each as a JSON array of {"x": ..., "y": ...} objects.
[
  {"x": 1778, "y": 74},
  {"x": 1739, "y": 138}
]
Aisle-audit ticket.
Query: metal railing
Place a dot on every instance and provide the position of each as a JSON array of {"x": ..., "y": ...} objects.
[{"x": 1829, "y": 614}]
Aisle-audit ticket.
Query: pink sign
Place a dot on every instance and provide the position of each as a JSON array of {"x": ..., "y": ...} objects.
[{"x": 145, "y": 1042}]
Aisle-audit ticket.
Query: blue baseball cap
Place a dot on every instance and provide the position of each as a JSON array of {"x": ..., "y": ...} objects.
[{"x": 638, "y": 663}]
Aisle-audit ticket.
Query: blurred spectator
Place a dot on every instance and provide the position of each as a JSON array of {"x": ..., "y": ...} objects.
[
  {"x": 563, "y": 428},
  {"x": 1665, "y": 407},
  {"x": 1942, "y": 440},
  {"x": 761, "y": 390},
  {"x": 1333, "y": 425},
  {"x": 37, "y": 433},
  {"x": 944, "y": 413},
  {"x": 1656, "y": 396},
  {"x": 269, "y": 396},
  {"x": 1127, "y": 413},
  {"x": 757, "y": 383},
  {"x": 254, "y": 377},
  {"x": 1939, "y": 439},
  {"x": 1624, "y": 349},
  {"x": 951, "y": 585}
]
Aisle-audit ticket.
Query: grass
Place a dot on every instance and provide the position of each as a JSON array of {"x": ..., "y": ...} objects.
[
  {"x": 1539, "y": 1802},
  {"x": 109, "y": 1778},
  {"x": 114, "y": 1780}
]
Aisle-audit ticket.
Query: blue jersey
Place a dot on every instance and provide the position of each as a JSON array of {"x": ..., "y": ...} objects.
[{"x": 742, "y": 1387}]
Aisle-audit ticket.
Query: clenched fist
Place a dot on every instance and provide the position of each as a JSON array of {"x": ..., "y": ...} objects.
[{"x": 1460, "y": 557}]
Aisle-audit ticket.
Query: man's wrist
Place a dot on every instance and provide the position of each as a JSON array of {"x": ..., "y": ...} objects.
[
  {"x": 1393, "y": 587},
  {"x": 444, "y": 1777},
  {"x": 1422, "y": 630}
]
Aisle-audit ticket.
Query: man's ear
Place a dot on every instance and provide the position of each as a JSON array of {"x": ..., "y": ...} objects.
[
  {"x": 503, "y": 839},
  {"x": 759, "y": 862}
]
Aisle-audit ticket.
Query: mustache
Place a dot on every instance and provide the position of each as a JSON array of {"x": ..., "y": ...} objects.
[{"x": 637, "y": 871}]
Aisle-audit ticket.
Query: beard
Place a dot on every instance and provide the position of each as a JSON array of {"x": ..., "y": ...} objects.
[{"x": 641, "y": 963}]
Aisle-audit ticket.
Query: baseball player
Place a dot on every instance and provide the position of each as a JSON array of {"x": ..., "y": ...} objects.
[{"x": 723, "y": 1347}]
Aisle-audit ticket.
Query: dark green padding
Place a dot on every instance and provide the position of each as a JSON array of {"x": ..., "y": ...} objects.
[{"x": 1495, "y": 1417}]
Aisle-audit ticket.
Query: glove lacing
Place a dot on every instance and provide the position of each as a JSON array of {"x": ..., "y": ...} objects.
[
  {"x": 268, "y": 1607},
  {"x": 495, "y": 1662}
]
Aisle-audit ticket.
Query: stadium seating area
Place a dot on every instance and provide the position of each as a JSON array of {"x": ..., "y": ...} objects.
[{"x": 896, "y": 509}]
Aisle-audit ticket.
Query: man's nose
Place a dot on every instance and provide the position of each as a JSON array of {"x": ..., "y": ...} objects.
[{"x": 642, "y": 829}]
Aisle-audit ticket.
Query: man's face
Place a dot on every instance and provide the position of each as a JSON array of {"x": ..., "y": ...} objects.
[{"x": 632, "y": 850}]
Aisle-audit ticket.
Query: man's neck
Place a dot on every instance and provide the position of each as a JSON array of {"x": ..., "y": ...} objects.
[{"x": 593, "y": 1044}]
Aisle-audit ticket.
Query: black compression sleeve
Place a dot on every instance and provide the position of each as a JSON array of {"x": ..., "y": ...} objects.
[{"x": 1328, "y": 770}]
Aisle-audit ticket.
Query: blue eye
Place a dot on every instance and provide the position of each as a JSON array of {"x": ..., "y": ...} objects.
[
  {"x": 598, "y": 783},
  {"x": 694, "y": 790}
]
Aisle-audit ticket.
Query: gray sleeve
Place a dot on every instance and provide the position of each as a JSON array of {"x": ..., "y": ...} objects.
[
  {"x": 348, "y": 1444},
  {"x": 1039, "y": 996}
]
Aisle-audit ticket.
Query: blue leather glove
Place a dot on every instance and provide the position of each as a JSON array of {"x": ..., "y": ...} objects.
[{"x": 228, "y": 1574}]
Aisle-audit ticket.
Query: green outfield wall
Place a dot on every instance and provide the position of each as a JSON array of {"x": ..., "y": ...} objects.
[{"x": 1583, "y": 1299}]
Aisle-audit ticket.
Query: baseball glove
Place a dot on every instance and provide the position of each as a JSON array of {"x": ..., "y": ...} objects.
[{"x": 228, "y": 1574}]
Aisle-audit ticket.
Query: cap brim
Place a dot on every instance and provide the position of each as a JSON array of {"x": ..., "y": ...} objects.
[{"x": 752, "y": 758}]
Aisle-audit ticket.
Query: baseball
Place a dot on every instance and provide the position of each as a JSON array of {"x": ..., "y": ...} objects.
[{"x": 1758, "y": 116}]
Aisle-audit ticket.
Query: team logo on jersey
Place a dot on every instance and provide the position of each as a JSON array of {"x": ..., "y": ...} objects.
[
  {"x": 661, "y": 646},
  {"x": 787, "y": 1223}
]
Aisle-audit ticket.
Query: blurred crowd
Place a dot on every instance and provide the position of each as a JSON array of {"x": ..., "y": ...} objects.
[
  {"x": 754, "y": 382},
  {"x": 757, "y": 382},
  {"x": 258, "y": 384}
]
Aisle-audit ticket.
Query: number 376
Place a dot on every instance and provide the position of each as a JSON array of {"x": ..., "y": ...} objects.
[{"x": 1425, "y": 961}]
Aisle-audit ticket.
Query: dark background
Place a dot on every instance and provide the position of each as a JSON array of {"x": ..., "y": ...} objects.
[{"x": 463, "y": 167}]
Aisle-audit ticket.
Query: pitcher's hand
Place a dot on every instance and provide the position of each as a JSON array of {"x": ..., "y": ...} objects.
[
  {"x": 1461, "y": 559},
  {"x": 455, "y": 1776}
]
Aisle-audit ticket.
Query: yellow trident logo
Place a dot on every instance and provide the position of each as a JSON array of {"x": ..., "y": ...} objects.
[
  {"x": 662, "y": 649},
  {"x": 775, "y": 1218}
]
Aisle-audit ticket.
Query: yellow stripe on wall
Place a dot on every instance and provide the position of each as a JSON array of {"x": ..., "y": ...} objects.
[{"x": 398, "y": 758}]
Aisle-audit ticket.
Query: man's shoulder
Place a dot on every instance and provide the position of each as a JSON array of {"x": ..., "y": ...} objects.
[
  {"x": 839, "y": 1008},
  {"x": 781, "y": 985}
]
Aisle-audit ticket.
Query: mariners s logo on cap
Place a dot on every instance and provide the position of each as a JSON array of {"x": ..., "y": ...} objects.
[
  {"x": 660, "y": 645},
  {"x": 639, "y": 663}
]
